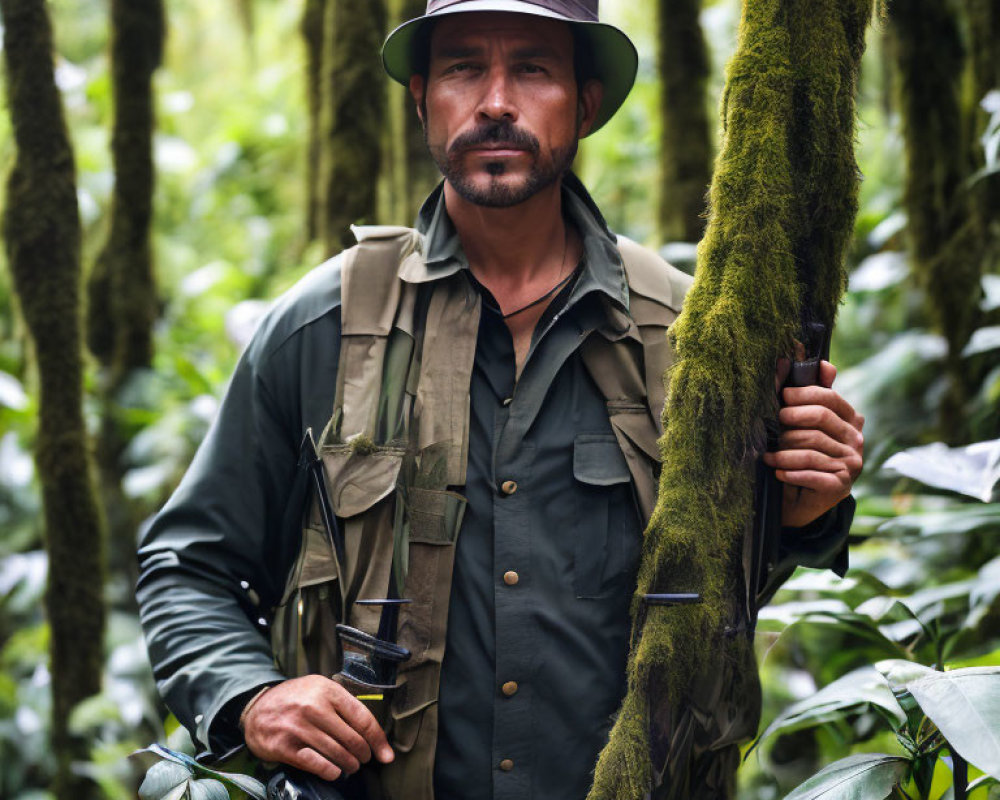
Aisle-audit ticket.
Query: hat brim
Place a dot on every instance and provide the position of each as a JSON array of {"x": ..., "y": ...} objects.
[{"x": 615, "y": 59}]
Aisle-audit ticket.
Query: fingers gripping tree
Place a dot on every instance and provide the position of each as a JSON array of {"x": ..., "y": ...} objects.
[
  {"x": 782, "y": 206},
  {"x": 41, "y": 230}
]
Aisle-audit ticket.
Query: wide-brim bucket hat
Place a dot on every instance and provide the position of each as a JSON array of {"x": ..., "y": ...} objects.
[{"x": 614, "y": 57}]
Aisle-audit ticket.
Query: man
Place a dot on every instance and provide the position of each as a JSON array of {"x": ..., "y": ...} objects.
[{"x": 517, "y": 498}]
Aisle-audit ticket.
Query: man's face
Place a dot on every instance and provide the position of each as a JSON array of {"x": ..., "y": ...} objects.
[{"x": 501, "y": 108}]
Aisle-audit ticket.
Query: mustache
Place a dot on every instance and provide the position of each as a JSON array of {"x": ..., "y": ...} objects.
[{"x": 497, "y": 132}]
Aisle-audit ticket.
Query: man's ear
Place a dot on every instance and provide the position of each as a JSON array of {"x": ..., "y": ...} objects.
[
  {"x": 417, "y": 89},
  {"x": 591, "y": 95}
]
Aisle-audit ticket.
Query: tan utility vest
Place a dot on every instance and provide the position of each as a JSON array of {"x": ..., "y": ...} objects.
[{"x": 397, "y": 445}]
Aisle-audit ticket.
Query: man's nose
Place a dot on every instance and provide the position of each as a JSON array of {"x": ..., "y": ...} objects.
[{"x": 497, "y": 101}]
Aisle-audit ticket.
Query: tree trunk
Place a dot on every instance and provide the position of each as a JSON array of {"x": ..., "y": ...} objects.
[
  {"x": 352, "y": 120},
  {"x": 413, "y": 173},
  {"x": 945, "y": 235},
  {"x": 984, "y": 35},
  {"x": 312, "y": 33},
  {"x": 685, "y": 138},
  {"x": 123, "y": 304},
  {"x": 42, "y": 236},
  {"x": 782, "y": 206}
]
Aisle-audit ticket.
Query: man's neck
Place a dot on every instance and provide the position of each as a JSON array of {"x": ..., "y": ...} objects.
[{"x": 508, "y": 247}]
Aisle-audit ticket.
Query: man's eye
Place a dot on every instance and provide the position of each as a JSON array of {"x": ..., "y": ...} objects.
[
  {"x": 531, "y": 69},
  {"x": 459, "y": 67}
]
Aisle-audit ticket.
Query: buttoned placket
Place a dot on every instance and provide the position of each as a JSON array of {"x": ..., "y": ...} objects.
[{"x": 514, "y": 723}]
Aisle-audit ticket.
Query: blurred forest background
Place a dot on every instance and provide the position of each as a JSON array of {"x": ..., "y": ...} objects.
[{"x": 221, "y": 151}]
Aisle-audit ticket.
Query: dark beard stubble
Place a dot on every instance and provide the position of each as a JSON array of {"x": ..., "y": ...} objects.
[{"x": 497, "y": 194}]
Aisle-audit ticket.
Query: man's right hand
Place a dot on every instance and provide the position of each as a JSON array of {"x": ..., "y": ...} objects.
[{"x": 314, "y": 724}]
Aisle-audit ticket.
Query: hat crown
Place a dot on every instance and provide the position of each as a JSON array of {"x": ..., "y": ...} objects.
[{"x": 582, "y": 10}]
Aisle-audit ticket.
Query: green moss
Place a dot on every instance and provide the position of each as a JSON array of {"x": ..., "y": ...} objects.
[
  {"x": 41, "y": 229},
  {"x": 122, "y": 300},
  {"x": 353, "y": 85},
  {"x": 685, "y": 140},
  {"x": 782, "y": 206},
  {"x": 945, "y": 235}
]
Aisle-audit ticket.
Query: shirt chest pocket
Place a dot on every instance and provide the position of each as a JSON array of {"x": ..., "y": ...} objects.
[{"x": 606, "y": 524}]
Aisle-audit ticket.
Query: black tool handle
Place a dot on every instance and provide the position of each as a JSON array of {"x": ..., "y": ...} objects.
[{"x": 682, "y": 599}]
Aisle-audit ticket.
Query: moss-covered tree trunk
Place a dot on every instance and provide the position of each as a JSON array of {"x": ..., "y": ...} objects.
[
  {"x": 685, "y": 138},
  {"x": 353, "y": 116},
  {"x": 123, "y": 304},
  {"x": 41, "y": 229},
  {"x": 782, "y": 206},
  {"x": 313, "y": 15},
  {"x": 945, "y": 234},
  {"x": 984, "y": 36}
]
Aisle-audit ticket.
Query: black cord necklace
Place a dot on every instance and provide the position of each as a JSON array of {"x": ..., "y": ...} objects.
[{"x": 562, "y": 282}]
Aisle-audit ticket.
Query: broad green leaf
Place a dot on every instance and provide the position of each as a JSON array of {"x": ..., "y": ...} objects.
[
  {"x": 863, "y": 688},
  {"x": 972, "y": 518},
  {"x": 965, "y": 706},
  {"x": 867, "y": 776},
  {"x": 984, "y": 593},
  {"x": 245, "y": 783},
  {"x": 777, "y": 617},
  {"x": 207, "y": 789},
  {"x": 251, "y": 786},
  {"x": 899, "y": 672},
  {"x": 162, "y": 779},
  {"x": 973, "y": 470}
]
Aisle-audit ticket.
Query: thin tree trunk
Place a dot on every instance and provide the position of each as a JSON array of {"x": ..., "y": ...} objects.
[
  {"x": 353, "y": 90},
  {"x": 945, "y": 235},
  {"x": 420, "y": 173},
  {"x": 42, "y": 236},
  {"x": 984, "y": 36},
  {"x": 313, "y": 16},
  {"x": 122, "y": 289},
  {"x": 685, "y": 138}
]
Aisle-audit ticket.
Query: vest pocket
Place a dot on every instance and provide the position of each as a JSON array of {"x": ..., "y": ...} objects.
[
  {"x": 434, "y": 517},
  {"x": 599, "y": 550},
  {"x": 309, "y": 609}
]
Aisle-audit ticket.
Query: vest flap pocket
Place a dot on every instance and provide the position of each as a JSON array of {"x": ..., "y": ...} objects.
[
  {"x": 435, "y": 516},
  {"x": 319, "y": 564},
  {"x": 638, "y": 427},
  {"x": 598, "y": 460},
  {"x": 359, "y": 480},
  {"x": 411, "y": 699}
]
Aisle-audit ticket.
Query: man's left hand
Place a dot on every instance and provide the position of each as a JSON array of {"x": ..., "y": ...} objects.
[{"x": 820, "y": 450}]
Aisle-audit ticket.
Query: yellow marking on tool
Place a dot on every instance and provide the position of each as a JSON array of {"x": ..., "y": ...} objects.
[{"x": 371, "y": 697}]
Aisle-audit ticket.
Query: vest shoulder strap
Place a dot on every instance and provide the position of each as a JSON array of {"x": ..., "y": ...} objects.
[
  {"x": 370, "y": 285},
  {"x": 373, "y": 300},
  {"x": 654, "y": 279}
]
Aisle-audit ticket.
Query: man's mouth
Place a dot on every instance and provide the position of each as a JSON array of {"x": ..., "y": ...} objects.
[{"x": 497, "y": 148}]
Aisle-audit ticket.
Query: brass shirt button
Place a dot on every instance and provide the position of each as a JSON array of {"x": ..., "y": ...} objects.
[
  {"x": 511, "y": 578},
  {"x": 508, "y": 487},
  {"x": 509, "y": 689},
  {"x": 506, "y": 765}
]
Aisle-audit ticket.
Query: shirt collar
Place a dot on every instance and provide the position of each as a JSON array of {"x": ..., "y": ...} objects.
[{"x": 602, "y": 265}]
